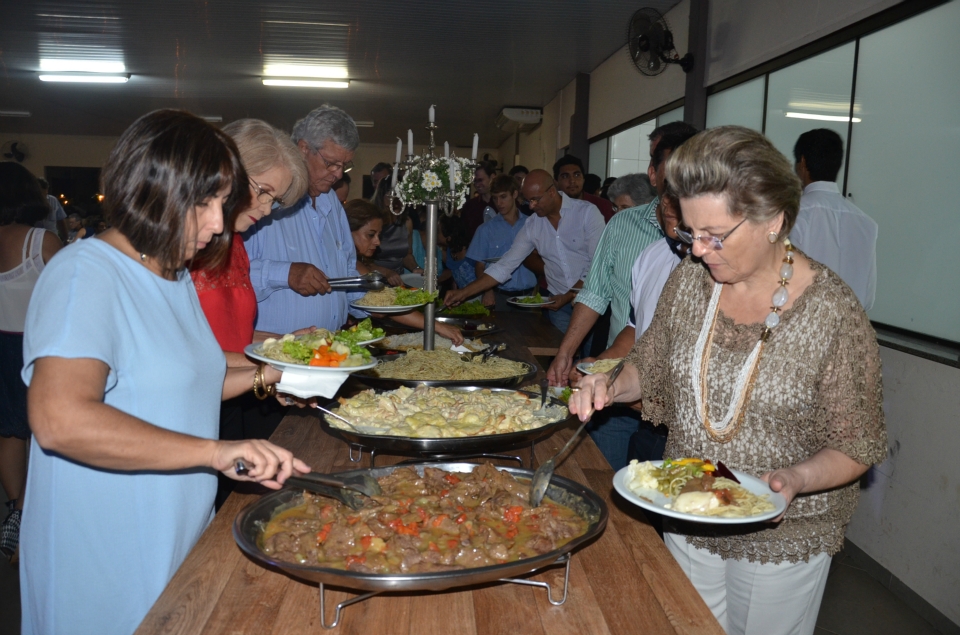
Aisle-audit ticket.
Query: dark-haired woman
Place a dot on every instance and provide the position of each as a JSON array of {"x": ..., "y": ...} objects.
[
  {"x": 124, "y": 415},
  {"x": 24, "y": 251},
  {"x": 366, "y": 224}
]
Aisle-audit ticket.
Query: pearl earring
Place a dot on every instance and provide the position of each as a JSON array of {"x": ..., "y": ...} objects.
[{"x": 772, "y": 237}]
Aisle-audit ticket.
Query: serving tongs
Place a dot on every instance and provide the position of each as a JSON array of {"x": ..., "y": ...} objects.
[
  {"x": 373, "y": 281},
  {"x": 340, "y": 488},
  {"x": 541, "y": 478},
  {"x": 486, "y": 353}
]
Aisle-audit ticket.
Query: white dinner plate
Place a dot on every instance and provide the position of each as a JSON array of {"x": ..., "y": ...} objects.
[
  {"x": 373, "y": 341},
  {"x": 387, "y": 310},
  {"x": 587, "y": 367},
  {"x": 515, "y": 301},
  {"x": 251, "y": 350},
  {"x": 415, "y": 280},
  {"x": 654, "y": 501}
]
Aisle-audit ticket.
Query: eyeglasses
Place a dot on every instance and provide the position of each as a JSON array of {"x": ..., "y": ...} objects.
[
  {"x": 708, "y": 241},
  {"x": 535, "y": 200},
  {"x": 265, "y": 197},
  {"x": 334, "y": 166}
]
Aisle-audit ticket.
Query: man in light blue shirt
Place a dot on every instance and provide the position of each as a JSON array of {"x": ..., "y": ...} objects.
[
  {"x": 496, "y": 236},
  {"x": 293, "y": 253}
]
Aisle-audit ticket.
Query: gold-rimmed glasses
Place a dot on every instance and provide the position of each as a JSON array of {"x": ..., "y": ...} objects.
[{"x": 265, "y": 197}]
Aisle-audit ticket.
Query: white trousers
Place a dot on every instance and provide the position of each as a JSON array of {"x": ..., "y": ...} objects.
[{"x": 749, "y": 598}]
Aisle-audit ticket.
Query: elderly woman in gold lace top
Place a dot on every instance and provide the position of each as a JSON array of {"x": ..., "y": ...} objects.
[{"x": 763, "y": 359}]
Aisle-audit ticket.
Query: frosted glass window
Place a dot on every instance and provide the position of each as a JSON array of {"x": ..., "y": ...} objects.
[
  {"x": 673, "y": 115},
  {"x": 818, "y": 87},
  {"x": 741, "y": 105},
  {"x": 630, "y": 150},
  {"x": 903, "y": 168},
  {"x": 598, "y": 158}
]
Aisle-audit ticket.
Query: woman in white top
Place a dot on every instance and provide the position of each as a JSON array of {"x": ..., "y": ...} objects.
[{"x": 24, "y": 250}]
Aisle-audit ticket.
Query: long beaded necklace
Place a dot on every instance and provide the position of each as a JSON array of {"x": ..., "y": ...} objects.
[{"x": 722, "y": 431}]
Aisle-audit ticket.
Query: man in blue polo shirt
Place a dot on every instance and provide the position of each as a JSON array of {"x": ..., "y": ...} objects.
[{"x": 494, "y": 238}]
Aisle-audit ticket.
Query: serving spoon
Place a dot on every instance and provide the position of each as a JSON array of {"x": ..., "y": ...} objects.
[
  {"x": 541, "y": 478},
  {"x": 327, "y": 485}
]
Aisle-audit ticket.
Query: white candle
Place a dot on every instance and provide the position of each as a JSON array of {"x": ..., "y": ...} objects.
[
  {"x": 446, "y": 150},
  {"x": 410, "y": 142},
  {"x": 451, "y": 170},
  {"x": 393, "y": 181},
  {"x": 432, "y": 113},
  {"x": 476, "y": 142},
  {"x": 399, "y": 149}
]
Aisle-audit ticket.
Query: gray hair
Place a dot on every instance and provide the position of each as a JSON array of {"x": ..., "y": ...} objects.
[
  {"x": 327, "y": 123},
  {"x": 636, "y": 186}
]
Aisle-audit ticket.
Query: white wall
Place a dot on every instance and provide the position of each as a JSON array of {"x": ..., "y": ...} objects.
[
  {"x": 619, "y": 92},
  {"x": 745, "y": 33},
  {"x": 908, "y": 519},
  {"x": 61, "y": 150}
]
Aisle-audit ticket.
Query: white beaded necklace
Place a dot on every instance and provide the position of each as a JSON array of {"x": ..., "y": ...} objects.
[{"x": 722, "y": 431}]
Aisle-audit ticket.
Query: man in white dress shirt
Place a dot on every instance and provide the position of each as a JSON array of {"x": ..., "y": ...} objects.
[
  {"x": 829, "y": 228},
  {"x": 563, "y": 230}
]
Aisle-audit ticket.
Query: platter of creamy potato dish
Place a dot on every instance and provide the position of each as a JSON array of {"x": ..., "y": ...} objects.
[{"x": 696, "y": 490}]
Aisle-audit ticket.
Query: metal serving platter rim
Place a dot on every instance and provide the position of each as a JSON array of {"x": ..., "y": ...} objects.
[
  {"x": 500, "y": 382},
  {"x": 249, "y": 522},
  {"x": 452, "y": 444}
]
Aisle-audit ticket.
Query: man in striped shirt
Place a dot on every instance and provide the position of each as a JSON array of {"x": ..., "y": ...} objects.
[{"x": 610, "y": 282}]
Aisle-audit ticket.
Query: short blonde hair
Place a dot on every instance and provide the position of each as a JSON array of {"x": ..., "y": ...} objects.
[
  {"x": 263, "y": 147},
  {"x": 742, "y": 165}
]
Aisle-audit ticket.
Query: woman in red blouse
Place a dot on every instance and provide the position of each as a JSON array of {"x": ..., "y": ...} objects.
[{"x": 278, "y": 176}]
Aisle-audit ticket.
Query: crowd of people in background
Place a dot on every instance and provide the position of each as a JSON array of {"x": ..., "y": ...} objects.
[{"x": 244, "y": 249}]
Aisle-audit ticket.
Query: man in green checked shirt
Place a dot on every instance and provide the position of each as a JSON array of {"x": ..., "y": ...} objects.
[{"x": 609, "y": 282}]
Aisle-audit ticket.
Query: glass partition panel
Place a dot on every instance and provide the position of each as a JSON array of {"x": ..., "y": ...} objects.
[
  {"x": 814, "y": 93},
  {"x": 741, "y": 105},
  {"x": 672, "y": 115},
  {"x": 598, "y": 158},
  {"x": 630, "y": 150},
  {"x": 904, "y": 158}
]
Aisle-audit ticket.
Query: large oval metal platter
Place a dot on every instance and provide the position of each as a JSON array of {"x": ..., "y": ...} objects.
[
  {"x": 452, "y": 445},
  {"x": 369, "y": 378},
  {"x": 249, "y": 524}
]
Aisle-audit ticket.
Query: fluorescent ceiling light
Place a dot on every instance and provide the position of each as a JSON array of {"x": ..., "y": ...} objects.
[
  {"x": 212, "y": 118},
  {"x": 363, "y": 124},
  {"x": 81, "y": 66},
  {"x": 806, "y": 115},
  {"x": 305, "y": 70},
  {"x": 89, "y": 78},
  {"x": 14, "y": 113},
  {"x": 303, "y": 83}
]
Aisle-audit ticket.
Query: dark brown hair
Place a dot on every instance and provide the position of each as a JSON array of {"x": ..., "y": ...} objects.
[
  {"x": 503, "y": 183},
  {"x": 163, "y": 166},
  {"x": 360, "y": 212}
]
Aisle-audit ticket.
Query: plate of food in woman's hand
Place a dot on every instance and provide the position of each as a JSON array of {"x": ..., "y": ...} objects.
[
  {"x": 317, "y": 351},
  {"x": 699, "y": 491}
]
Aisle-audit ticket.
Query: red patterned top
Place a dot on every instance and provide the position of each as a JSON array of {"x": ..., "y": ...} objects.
[{"x": 228, "y": 300}]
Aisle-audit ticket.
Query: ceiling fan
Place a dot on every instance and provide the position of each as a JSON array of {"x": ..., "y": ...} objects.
[
  {"x": 650, "y": 43},
  {"x": 15, "y": 150}
]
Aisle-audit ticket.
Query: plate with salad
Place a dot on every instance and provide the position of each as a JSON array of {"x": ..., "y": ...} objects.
[
  {"x": 530, "y": 301},
  {"x": 394, "y": 300},
  {"x": 474, "y": 308},
  {"x": 360, "y": 334},
  {"x": 317, "y": 351},
  {"x": 698, "y": 490}
]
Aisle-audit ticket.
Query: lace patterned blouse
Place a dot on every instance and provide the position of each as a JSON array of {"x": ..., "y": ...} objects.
[
  {"x": 228, "y": 299},
  {"x": 818, "y": 386}
]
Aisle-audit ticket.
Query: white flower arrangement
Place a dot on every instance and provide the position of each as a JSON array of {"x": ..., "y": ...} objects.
[{"x": 429, "y": 179}]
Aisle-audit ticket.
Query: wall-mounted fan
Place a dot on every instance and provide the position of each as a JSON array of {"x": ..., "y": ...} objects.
[
  {"x": 14, "y": 150},
  {"x": 650, "y": 43}
]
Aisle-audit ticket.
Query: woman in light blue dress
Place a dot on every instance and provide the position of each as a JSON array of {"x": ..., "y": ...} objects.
[{"x": 125, "y": 381}]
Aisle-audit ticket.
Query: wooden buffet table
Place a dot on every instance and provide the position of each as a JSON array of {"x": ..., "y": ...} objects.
[{"x": 624, "y": 582}]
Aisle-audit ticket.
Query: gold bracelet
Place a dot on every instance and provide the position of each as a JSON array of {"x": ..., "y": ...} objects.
[{"x": 259, "y": 392}]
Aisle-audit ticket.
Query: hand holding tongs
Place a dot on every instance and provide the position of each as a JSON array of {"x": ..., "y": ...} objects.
[
  {"x": 340, "y": 488},
  {"x": 373, "y": 281}
]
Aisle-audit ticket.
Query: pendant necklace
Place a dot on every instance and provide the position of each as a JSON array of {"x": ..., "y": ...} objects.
[{"x": 726, "y": 428}]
